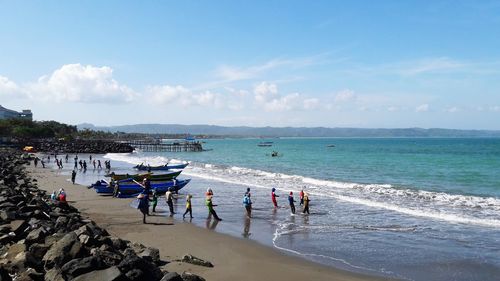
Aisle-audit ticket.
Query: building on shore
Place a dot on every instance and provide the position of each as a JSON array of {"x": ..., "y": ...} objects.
[{"x": 11, "y": 114}]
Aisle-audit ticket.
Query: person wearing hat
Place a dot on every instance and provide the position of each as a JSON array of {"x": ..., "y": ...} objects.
[
  {"x": 291, "y": 202},
  {"x": 210, "y": 205},
  {"x": 273, "y": 197}
]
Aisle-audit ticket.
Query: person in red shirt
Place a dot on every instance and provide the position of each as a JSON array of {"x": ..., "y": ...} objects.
[{"x": 273, "y": 197}]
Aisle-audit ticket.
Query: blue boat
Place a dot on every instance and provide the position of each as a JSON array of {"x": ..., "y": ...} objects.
[
  {"x": 165, "y": 167},
  {"x": 102, "y": 187}
]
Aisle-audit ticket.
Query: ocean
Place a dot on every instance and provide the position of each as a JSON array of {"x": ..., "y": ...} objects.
[{"x": 408, "y": 208}]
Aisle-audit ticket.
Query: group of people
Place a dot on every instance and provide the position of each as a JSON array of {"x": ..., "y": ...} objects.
[
  {"x": 59, "y": 196},
  {"x": 36, "y": 160},
  {"x": 304, "y": 201},
  {"x": 171, "y": 195}
]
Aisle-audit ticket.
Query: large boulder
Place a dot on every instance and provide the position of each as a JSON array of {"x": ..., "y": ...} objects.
[
  {"x": 171, "y": 276},
  {"x": 188, "y": 276},
  {"x": 81, "y": 266},
  {"x": 63, "y": 251},
  {"x": 109, "y": 274}
]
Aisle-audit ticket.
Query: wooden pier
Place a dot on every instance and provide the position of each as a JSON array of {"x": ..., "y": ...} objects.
[{"x": 159, "y": 146}]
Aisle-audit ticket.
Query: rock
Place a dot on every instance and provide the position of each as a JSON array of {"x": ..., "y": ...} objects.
[
  {"x": 6, "y": 215},
  {"x": 62, "y": 251},
  {"x": 135, "y": 275},
  {"x": 109, "y": 258},
  {"x": 81, "y": 266},
  {"x": 118, "y": 243},
  {"x": 110, "y": 274},
  {"x": 36, "y": 235},
  {"x": 30, "y": 274},
  {"x": 14, "y": 250},
  {"x": 49, "y": 240},
  {"x": 187, "y": 276},
  {"x": 38, "y": 250},
  {"x": 54, "y": 275},
  {"x": 150, "y": 254},
  {"x": 132, "y": 261},
  {"x": 18, "y": 226},
  {"x": 171, "y": 276},
  {"x": 4, "y": 275},
  {"x": 196, "y": 261}
]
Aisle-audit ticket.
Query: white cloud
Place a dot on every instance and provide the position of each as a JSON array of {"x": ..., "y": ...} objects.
[
  {"x": 311, "y": 103},
  {"x": 78, "y": 83},
  {"x": 422, "y": 108},
  {"x": 345, "y": 96},
  {"x": 9, "y": 89},
  {"x": 452, "y": 109},
  {"x": 265, "y": 91},
  {"x": 164, "y": 94},
  {"x": 392, "y": 108},
  {"x": 495, "y": 108},
  {"x": 286, "y": 103},
  {"x": 430, "y": 65}
]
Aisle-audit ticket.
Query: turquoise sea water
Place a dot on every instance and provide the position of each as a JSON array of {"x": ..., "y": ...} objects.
[{"x": 416, "y": 209}]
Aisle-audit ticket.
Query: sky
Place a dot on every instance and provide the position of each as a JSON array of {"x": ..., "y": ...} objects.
[{"x": 365, "y": 64}]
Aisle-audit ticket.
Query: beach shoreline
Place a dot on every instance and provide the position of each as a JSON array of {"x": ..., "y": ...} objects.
[{"x": 232, "y": 257}]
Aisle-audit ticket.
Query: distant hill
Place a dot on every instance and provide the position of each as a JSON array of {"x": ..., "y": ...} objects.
[{"x": 244, "y": 131}]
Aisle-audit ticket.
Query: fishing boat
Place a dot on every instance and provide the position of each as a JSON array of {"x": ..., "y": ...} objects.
[
  {"x": 151, "y": 176},
  {"x": 102, "y": 187},
  {"x": 265, "y": 144},
  {"x": 165, "y": 167}
]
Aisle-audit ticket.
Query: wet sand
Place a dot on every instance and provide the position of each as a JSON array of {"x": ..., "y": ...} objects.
[{"x": 233, "y": 258}]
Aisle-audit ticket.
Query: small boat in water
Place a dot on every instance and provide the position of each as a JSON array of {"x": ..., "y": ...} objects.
[
  {"x": 265, "y": 144},
  {"x": 165, "y": 167},
  {"x": 330, "y": 145}
]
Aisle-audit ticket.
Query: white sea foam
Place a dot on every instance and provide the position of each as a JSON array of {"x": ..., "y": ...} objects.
[{"x": 476, "y": 210}]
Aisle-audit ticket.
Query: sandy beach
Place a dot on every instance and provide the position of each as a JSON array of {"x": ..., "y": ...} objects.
[{"x": 233, "y": 258}]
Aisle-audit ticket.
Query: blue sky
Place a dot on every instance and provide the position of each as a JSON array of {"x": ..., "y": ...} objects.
[{"x": 365, "y": 64}]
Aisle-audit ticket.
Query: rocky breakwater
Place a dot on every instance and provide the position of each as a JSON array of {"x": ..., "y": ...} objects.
[
  {"x": 82, "y": 146},
  {"x": 45, "y": 240}
]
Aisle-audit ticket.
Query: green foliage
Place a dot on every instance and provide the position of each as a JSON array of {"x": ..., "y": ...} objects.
[{"x": 27, "y": 129}]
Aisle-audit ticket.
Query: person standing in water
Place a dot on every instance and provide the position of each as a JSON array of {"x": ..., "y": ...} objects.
[
  {"x": 306, "y": 204},
  {"x": 73, "y": 176},
  {"x": 301, "y": 197},
  {"x": 188, "y": 206},
  {"x": 155, "y": 200},
  {"x": 273, "y": 197},
  {"x": 247, "y": 202},
  {"x": 210, "y": 205},
  {"x": 291, "y": 201}
]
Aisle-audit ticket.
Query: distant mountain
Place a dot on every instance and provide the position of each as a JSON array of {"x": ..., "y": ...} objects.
[{"x": 243, "y": 131}]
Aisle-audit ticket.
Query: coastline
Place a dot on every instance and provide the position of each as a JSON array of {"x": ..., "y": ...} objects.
[{"x": 232, "y": 257}]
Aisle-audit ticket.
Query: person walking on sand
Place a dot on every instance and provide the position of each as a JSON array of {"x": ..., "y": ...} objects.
[
  {"x": 188, "y": 207},
  {"x": 73, "y": 176},
  {"x": 155, "y": 200},
  {"x": 35, "y": 161},
  {"x": 291, "y": 202},
  {"x": 301, "y": 197},
  {"x": 143, "y": 206},
  {"x": 306, "y": 203},
  {"x": 247, "y": 202},
  {"x": 210, "y": 205},
  {"x": 43, "y": 163},
  {"x": 169, "y": 196},
  {"x": 273, "y": 197}
]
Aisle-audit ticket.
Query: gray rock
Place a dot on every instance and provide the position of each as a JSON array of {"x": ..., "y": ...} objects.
[
  {"x": 135, "y": 275},
  {"x": 67, "y": 248},
  {"x": 18, "y": 226},
  {"x": 150, "y": 254},
  {"x": 132, "y": 261},
  {"x": 54, "y": 275},
  {"x": 187, "y": 276},
  {"x": 81, "y": 266},
  {"x": 171, "y": 276},
  {"x": 38, "y": 250},
  {"x": 36, "y": 235},
  {"x": 196, "y": 261},
  {"x": 110, "y": 274}
]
